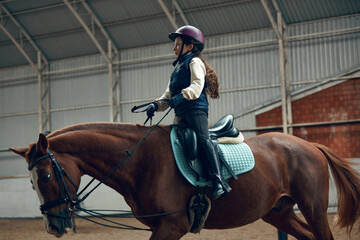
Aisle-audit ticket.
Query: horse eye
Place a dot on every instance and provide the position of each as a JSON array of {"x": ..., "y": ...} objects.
[{"x": 46, "y": 178}]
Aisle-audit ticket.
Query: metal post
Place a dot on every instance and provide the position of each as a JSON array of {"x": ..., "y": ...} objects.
[
  {"x": 282, "y": 77},
  {"x": 284, "y": 70},
  {"x": 111, "y": 83},
  {"x": 44, "y": 96},
  {"x": 47, "y": 99},
  {"x": 40, "y": 79},
  {"x": 280, "y": 29},
  {"x": 282, "y": 235},
  {"x": 114, "y": 86},
  {"x": 284, "y": 74},
  {"x": 117, "y": 89},
  {"x": 287, "y": 82}
]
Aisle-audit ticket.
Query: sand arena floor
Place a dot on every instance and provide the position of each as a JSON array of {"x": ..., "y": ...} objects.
[{"x": 33, "y": 229}]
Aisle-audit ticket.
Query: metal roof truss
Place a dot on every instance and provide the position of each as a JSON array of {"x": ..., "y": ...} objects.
[
  {"x": 280, "y": 28},
  {"x": 111, "y": 56},
  {"x": 41, "y": 67}
]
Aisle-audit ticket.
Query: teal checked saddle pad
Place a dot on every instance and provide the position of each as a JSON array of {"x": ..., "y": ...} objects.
[{"x": 238, "y": 156}]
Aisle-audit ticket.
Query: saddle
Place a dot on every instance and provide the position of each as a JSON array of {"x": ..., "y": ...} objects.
[
  {"x": 224, "y": 128},
  {"x": 188, "y": 139},
  {"x": 236, "y": 154}
]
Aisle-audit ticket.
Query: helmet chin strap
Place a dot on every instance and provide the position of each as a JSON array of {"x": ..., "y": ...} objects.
[{"x": 181, "y": 55}]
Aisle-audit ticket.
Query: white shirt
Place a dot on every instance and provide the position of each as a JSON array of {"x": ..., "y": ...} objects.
[{"x": 192, "y": 92}]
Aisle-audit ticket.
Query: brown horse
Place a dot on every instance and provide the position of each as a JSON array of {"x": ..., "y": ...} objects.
[{"x": 288, "y": 171}]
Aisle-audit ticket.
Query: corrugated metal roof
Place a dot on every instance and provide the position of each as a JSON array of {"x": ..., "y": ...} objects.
[
  {"x": 295, "y": 11},
  {"x": 117, "y": 11},
  {"x": 69, "y": 45},
  {"x": 49, "y": 21},
  {"x": 148, "y": 33},
  {"x": 135, "y": 23},
  {"x": 11, "y": 56},
  {"x": 229, "y": 18},
  {"x": 28, "y": 6}
]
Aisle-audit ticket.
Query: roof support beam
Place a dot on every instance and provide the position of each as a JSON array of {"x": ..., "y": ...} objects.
[
  {"x": 183, "y": 17},
  {"x": 87, "y": 29},
  {"x": 280, "y": 29},
  {"x": 168, "y": 14},
  {"x": 111, "y": 56},
  {"x": 99, "y": 25},
  {"x": 114, "y": 75},
  {"x": 22, "y": 31},
  {"x": 42, "y": 64},
  {"x": 19, "y": 47},
  {"x": 271, "y": 18},
  {"x": 44, "y": 96}
]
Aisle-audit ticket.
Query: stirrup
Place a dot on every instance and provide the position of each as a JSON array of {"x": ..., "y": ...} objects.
[
  {"x": 218, "y": 193},
  {"x": 225, "y": 187}
]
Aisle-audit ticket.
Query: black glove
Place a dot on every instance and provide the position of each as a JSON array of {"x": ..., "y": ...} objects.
[
  {"x": 151, "y": 109},
  {"x": 176, "y": 100}
]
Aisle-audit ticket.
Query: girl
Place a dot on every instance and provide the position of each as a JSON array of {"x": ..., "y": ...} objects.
[{"x": 190, "y": 82}]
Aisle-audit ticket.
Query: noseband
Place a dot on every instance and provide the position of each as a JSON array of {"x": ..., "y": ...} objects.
[{"x": 64, "y": 198}]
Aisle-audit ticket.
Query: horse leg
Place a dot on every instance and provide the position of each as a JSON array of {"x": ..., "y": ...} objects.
[
  {"x": 315, "y": 213},
  {"x": 288, "y": 222},
  {"x": 170, "y": 230},
  {"x": 312, "y": 201},
  {"x": 317, "y": 219},
  {"x": 165, "y": 232},
  {"x": 284, "y": 218}
]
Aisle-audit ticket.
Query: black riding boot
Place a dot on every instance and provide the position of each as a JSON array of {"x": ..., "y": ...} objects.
[{"x": 220, "y": 186}]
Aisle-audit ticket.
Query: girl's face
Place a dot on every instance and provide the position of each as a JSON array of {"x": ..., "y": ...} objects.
[{"x": 177, "y": 47}]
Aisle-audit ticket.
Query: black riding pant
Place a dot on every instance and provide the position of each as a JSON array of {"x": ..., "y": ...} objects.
[{"x": 198, "y": 121}]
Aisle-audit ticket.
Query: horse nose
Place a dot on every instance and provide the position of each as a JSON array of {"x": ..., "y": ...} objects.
[{"x": 57, "y": 231}]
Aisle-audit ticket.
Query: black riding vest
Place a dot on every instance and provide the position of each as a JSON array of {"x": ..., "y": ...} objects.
[{"x": 180, "y": 79}]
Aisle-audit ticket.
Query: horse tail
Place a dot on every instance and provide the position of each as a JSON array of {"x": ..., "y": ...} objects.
[{"x": 347, "y": 182}]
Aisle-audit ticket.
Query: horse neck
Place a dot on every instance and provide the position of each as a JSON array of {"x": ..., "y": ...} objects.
[{"x": 99, "y": 150}]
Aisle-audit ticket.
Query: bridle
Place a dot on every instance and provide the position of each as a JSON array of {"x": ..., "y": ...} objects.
[{"x": 65, "y": 197}]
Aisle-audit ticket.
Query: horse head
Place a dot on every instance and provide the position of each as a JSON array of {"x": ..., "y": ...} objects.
[{"x": 55, "y": 185}]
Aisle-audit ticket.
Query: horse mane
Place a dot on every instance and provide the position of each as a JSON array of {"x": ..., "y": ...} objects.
[
  {"x": 104, "y": 127},
  {"x": 90, "y": 126},
  {"x": 94, "y": 134}
]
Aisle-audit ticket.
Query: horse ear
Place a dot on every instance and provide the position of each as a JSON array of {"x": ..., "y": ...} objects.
[
  {"x": 20, "y": 151},
  {"x": 42, "y": 144}
]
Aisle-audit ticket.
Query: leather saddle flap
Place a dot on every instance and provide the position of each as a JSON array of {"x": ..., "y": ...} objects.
[{"x": 188, "y": 140}]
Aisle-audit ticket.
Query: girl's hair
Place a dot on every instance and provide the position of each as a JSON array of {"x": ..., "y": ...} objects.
[{"x": 211, "y": 77}]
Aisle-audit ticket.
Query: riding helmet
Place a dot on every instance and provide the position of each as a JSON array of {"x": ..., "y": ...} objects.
[{"x": 190, "y": 32}]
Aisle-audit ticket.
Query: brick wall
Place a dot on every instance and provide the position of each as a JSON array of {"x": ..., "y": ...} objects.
[{"x": 340, "y": 102}]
